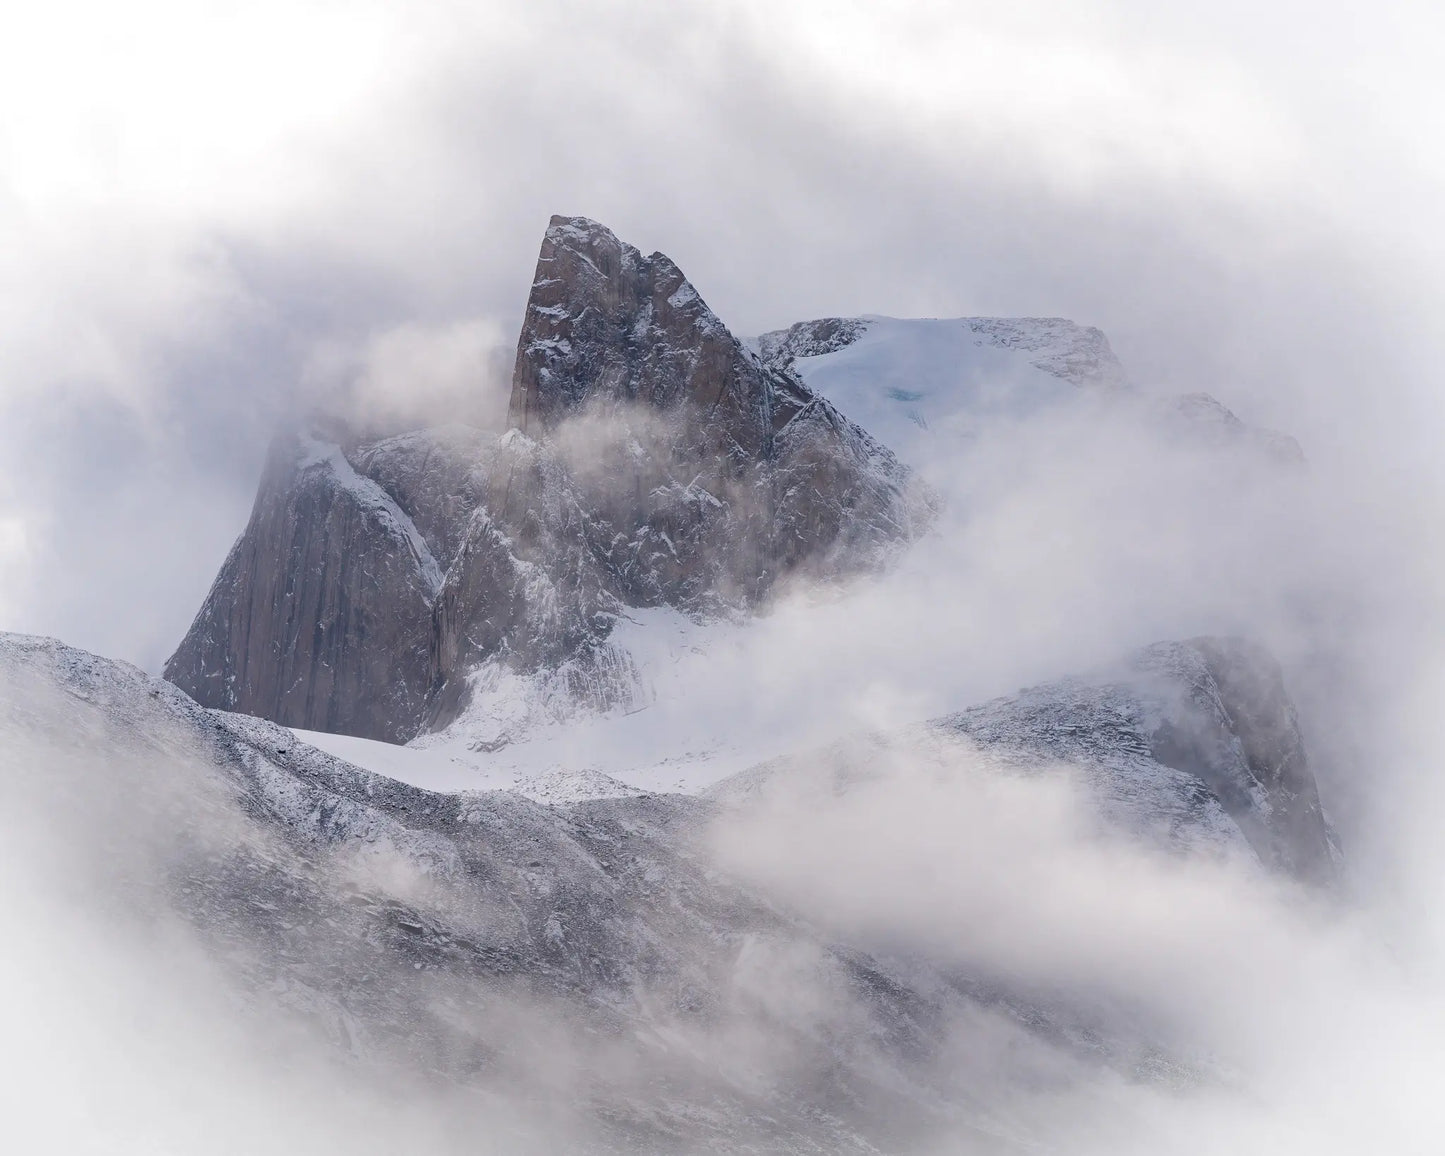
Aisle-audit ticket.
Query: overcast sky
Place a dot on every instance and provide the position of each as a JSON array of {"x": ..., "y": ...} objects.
[{"x": 208, "y": 210}]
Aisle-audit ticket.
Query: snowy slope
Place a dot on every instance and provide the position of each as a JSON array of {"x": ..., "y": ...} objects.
[
  {"x": 473, "y": 937},
  {"x": 519, "y": 733},
  {"x": 913, "y": 382},
  {"x": 929, "y": 387}
]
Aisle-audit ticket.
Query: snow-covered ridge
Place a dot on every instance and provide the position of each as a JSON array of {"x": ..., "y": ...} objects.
[
  {"x": 1078, "y": 354},
  {"x": 910, "y": 382},
  {"x": 929, "y": 387},
  {"x": 1194, "y": 744}
]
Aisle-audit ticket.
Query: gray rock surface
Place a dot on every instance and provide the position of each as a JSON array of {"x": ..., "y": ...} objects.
[
  {"x": 321, "y": 616},
  {"x": 656, "y": 461},
  {"x": 711, "y": 474}
]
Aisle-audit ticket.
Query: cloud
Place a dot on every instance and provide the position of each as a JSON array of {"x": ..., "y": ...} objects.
[
  {"x": 1291, "y": 1024},
  {"x": 414, "y": 375},
  {"x": 14, "y": 560}
]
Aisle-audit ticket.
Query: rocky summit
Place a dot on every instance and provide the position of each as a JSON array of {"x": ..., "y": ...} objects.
[{"x": 653, "y": 459}]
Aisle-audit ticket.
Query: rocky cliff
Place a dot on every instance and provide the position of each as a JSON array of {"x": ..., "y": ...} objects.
[
  {"x": 710, "y": 475},
  {"x": 654, "y": 460},
  {"x": 322, "y": 613}
]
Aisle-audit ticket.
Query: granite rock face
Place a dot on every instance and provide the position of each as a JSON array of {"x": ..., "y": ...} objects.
[
  {"x": 607, "y": 326},
  {"x": 321, "y": 615},
  {"x": 711, "y": 474},
  {"x": 654, "y": 460}
]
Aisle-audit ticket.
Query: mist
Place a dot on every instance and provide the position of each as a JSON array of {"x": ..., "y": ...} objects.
[{"x": 220, "y": 219}]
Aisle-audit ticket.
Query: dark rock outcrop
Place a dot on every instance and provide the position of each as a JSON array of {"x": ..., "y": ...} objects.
[
  {"x": 710, "y": 475},
  {"x": 321, "y": 616},
  {"x": 606, "y": 326},
  {"x": 654, "y": 460}
]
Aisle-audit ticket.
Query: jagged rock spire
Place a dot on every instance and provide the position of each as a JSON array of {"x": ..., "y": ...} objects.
[
  {"x": 662, "y": 464},
  {"x": 606, "y": 326}
]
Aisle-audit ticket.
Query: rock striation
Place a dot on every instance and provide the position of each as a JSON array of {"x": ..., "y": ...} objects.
[{"x": 653, "y": 459}]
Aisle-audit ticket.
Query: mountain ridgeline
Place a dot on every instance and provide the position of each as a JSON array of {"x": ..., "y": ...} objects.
[{"x": 654, "y": 460}]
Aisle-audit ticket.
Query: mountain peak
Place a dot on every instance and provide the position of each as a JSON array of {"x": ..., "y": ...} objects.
[
  {"x": 605, "y": 325},
  {"x": 659, "y": 462}
]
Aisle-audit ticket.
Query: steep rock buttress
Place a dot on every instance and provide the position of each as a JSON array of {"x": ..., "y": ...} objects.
[{"x": 653, "y": 460}]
